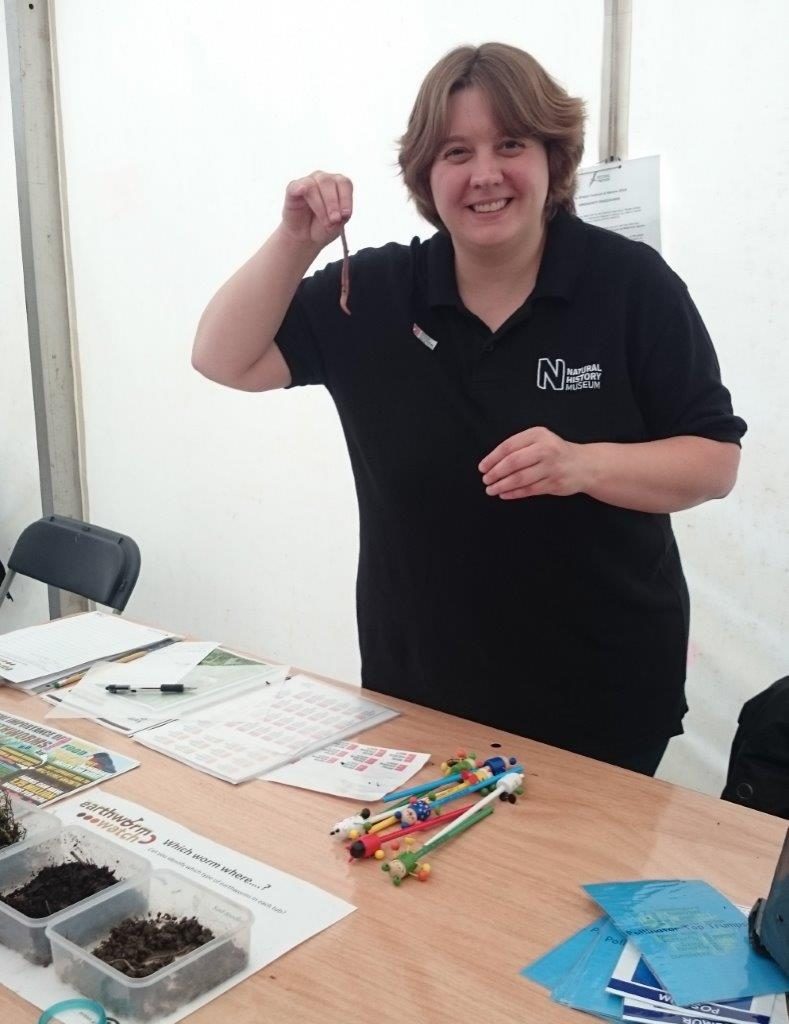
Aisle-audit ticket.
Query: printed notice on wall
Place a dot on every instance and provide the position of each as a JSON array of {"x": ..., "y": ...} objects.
[{"x": 623, "y": 196}]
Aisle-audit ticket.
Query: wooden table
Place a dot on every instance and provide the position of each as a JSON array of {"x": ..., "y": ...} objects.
[{"x": 449, "y": 950}]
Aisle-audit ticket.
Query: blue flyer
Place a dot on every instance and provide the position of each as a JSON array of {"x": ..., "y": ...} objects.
[{"x": 692, "y": 938}]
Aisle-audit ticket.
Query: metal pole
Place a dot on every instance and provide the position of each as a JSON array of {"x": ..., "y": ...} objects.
[
  {"x": 45, "y": 265},
  {"x": 615, "y": 93}
]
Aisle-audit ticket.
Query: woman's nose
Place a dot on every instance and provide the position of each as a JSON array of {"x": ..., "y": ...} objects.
[{"x": 486, "y": 172}]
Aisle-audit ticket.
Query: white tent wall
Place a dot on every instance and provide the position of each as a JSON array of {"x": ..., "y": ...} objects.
[
  {"x": 710, "y": 93},
  {"x": 20, "y": 492},
  {"x": 182, "y": 124}
]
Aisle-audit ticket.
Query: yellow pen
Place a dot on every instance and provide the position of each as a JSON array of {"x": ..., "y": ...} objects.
[{"x": 79, "y": 675}]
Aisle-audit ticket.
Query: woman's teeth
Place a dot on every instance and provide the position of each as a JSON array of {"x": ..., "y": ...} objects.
[{"x": 490, "y": 207}]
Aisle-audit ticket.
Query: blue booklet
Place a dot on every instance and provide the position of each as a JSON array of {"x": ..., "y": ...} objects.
[
  {"x": 633, "y": 980},
  {"x": 692, "y": 938},
  {"x": 554, "y": 966},
  {"x": 584, "y": 987}
]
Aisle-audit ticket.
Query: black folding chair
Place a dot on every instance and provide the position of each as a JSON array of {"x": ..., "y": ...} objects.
[
  {"x": 759, "y": 760},
  {"x": 78, "y": 557}
]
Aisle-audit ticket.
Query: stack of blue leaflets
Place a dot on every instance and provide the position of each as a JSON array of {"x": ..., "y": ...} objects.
[{"x": 668, "y": 952}]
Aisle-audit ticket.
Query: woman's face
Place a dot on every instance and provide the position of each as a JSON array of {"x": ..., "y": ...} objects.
[{"x": 489, "y": 189}]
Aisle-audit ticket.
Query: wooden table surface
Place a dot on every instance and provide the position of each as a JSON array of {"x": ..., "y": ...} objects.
[{"x": 448, "y": 950}]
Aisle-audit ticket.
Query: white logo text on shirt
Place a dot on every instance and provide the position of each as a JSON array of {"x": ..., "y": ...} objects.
[{"x": 557, "y": 375}]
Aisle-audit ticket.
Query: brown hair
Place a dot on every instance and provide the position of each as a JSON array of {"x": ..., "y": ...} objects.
[{"x": 526, "y": 101}]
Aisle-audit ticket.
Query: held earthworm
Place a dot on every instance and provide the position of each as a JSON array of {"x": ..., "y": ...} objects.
[{"x": 345, "y": 276}]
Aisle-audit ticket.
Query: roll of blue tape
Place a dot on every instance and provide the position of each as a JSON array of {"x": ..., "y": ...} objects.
[{"x": 74, "y": 1004}]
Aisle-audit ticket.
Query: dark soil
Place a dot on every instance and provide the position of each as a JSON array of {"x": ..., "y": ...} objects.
[
  {"x": 10, "y": 830},
  {"x": 138, "y": 948},
  {"x": 141, "y": 946},
  {"x": 59, "y": 886}
]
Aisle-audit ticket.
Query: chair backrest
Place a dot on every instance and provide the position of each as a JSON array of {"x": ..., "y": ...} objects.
[
  {"x": 759, "y": 761},
  {"x": 84, "y": 559}
]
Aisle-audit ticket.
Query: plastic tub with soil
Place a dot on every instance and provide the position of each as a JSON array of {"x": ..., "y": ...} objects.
[
  {"x": 146, "y": 949},
  {"x": 41, "y": 881},
  {"x": 22, "y": 824}
]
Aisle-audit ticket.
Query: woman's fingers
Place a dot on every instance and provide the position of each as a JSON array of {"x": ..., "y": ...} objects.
[
  {"x": 307, "y": 192},
  {"x": 521, "y": 478},
  {"x": 345, "y": 193},
  {"x": 535, "y": 461},
  {"x": 511, "y": 462},
  {"x": 337, "y": 194},
  {"x": 328, "y": 196}
]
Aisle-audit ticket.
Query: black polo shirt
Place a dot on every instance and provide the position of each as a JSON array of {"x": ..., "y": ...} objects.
[{"x": 560, "y": 618}]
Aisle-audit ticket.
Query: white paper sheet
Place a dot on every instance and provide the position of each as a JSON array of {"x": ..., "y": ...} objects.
[
  {"x": 286, "y": 910},
  {"x": 167, "y": 665},
  {"x": 623, "y": 196},
  {"x": 353, "y": 770},
  {"x": 70, "y": 643}
]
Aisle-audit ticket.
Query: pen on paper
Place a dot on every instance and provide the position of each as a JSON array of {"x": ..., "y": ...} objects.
[{"x": 124, "y": 688}]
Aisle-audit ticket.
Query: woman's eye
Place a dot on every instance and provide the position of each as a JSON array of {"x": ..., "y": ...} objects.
[
  {"x": 456, "y": 151},
  {"x": 512, "y": 144}
]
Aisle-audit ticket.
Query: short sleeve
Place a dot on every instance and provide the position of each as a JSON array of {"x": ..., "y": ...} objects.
[
  {"x": 311, "y": 317},
  {"x": 678, "y": 382}
]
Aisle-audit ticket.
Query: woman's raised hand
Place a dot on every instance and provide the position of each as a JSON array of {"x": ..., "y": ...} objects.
[{"x": 317, "y": 207}]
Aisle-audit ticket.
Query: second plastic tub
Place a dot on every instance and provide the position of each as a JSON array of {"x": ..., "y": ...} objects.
[{"x": 187, "y": 977}]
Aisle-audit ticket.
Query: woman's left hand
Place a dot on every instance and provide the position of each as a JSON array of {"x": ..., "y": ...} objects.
[{"x": 535, "y": 461}]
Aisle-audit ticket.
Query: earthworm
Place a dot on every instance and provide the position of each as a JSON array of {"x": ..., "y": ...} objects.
[{"x": 345, "y": 276}]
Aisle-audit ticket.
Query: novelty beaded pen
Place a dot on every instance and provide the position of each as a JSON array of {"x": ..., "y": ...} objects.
[
  {"x": 368, "y": 846},
  {"x": 496, "y": 765},
  {"x": 407, "y": 863},
  {"x": 362, "y": 821},
  {"x": 507, "y": 785},
  {"x": 425, "y": 787},
  {"x": 518, "y": 769}
]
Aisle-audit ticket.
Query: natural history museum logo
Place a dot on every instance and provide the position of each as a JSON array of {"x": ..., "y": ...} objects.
[{"x": 557, "y": 375}]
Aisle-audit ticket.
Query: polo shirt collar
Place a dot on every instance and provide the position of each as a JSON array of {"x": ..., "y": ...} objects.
[
  {"x": 563, "y": 257},
  {"x": 559, "y": 269}
]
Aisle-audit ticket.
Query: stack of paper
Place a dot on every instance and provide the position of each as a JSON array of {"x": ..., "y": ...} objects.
[
  {"x": 209, "y": 674},
  {"x": 669, "y": 952},
  {"x": 39, "y": 657}
]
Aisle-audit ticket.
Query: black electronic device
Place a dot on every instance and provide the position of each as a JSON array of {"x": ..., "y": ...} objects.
[{"x": 768, "y": 921}]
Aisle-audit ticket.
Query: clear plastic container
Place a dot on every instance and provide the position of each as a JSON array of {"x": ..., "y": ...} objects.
[
  {"x": 166, "y": 990},
  {"x": 38, "y": 825},
  {"x": 27, "y": 935}
]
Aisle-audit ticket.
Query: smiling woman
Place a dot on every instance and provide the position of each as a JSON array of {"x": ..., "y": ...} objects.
[{"x": 525, "y": 399}]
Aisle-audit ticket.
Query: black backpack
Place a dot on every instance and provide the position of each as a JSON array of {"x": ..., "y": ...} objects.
[{"x": 759, "y": 762}]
